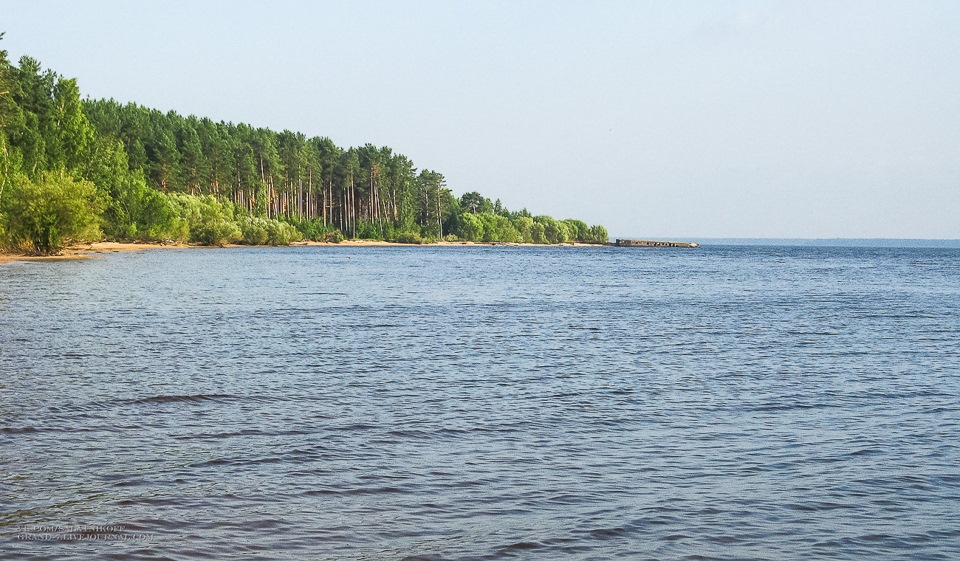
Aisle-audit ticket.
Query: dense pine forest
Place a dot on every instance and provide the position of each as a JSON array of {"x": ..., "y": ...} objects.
[{"x": 84, "y": 170}]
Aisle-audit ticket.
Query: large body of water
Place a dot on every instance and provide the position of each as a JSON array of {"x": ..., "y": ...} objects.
[{"x": 482, "y": 403}]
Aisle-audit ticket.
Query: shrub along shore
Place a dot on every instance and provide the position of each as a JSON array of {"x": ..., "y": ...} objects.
[{"x": 74, "y": 170}]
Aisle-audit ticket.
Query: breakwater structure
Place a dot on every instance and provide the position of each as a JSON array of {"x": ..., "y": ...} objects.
[{"x": 653, "y": 243}]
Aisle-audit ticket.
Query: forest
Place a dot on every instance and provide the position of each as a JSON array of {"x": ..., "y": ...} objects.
[{"x": 74, "y": 170}]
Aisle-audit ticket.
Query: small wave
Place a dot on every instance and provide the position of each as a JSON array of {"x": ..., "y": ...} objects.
[
  {"x": 608, "y": 533},
  {"x": 873, "y": 538},
  {"x": 355, "y": 491},
  {"x": 318, "y": 492},
  {"x": 355, "y": 426},
  {"x": 865, "y": 452},
  {"x": 290, "y": 456},
  {"x": 18, "y": 430},
  {"x": 181, "y": 398},
  {"x": 724, "y": 539},
  {"x": 245, "y": 432},
  {"x": 76, "y": 355},
  {"x": 150, "y": 501},
  {"x": 373, "y": 491},
  {"x": 519, "y": 546},
  {"x": 409, "y": 433},
  {"x": 212, "y": 463},
  {"x": 815, "y": 507}
]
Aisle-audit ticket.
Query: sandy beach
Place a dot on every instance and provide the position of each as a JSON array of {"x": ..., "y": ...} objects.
[
  {"x": 85, "y": 251},
  {"x": 89, "y": 250}
]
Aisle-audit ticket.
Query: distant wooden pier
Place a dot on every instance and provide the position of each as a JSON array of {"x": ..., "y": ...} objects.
[{"x": 653, "y": 243}]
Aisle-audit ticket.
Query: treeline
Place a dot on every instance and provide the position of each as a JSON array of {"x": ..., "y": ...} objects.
[{"x": 77, "y": 169}]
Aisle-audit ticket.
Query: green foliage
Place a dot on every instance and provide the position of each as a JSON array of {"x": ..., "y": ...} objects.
[
  {"x": 143, "y": 214},
  {"x": 577, "y": 229},
  {"x": 561, "y": 234},
  {"x": 538, "y": 233},
  {"x": 369, "y": 231},
  {"x": 435, "y": 203},
  {"x": 475, "y": 203},
  {"x": 498, "y": 228},
  {"x": 489, "y": 227},
  {"x": 253, "y": 230},
  {"x": 210, "y": 220},
  {"x": 281, "y": 233},
  {"x": 72, "y": 134},
  {"x": 410, "y": 237},
  {"x": 389, "y": 231},
  {"x": 471, "y": 228},
  {"x": 335, "y": 236},
  {"x": 265, "y": 231},
  {"x": 553, "y": 231},
  {"x": 524, "y": 226},
  {"x": 312, "y": 229},
  {"x": 42, "y": 216},
  {"x": 597, "y": 234}
]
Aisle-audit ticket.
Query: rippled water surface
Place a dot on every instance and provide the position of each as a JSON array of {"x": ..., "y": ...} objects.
[{"x": 482, "y": 403}]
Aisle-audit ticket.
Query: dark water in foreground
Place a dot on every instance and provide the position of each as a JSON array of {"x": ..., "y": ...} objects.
[{"x": 482, "y": 403}]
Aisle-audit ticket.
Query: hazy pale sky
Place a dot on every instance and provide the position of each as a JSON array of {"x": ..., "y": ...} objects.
[{"x": 660, "y": 118}]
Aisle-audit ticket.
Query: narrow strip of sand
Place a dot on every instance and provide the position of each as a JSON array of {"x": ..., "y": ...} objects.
[{"x": 87, "y": 250}]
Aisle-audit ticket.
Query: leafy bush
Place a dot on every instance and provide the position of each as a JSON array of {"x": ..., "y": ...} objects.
[
  {"x": 137, "y": 212},
  {"x": 210, "y": 219},
  {"x": 335, "y": 236},
  {"x": 369, "y": 231},
  {"x": 313, "y": 229},
  {"x": 281, "y": 233},
  {"x": 266, "y": 231},
  {"x": 253, "y": 230},
  {"x": 42, "y": 217},
  {"x": 409, "y": 237}
]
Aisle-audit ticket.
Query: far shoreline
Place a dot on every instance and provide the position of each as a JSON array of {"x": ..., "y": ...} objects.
[{"x": 94, "y": 249}]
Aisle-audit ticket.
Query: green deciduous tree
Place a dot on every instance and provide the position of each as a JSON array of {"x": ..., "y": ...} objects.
[
  {"x": 42, "y": 216},
  {"x": 598, "y": 234},
  {"x": 577, "y": 229},
  {"x": 471, "y": 228},
  {"x": 524, "y": 227},
  {"x": 553, "y": 231}
]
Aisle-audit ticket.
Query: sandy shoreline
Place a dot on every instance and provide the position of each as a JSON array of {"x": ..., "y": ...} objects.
[{"x": 88, "y": 250}]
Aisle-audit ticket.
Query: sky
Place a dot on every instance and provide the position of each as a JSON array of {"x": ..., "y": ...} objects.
[{"x": 785, "y": 119}]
